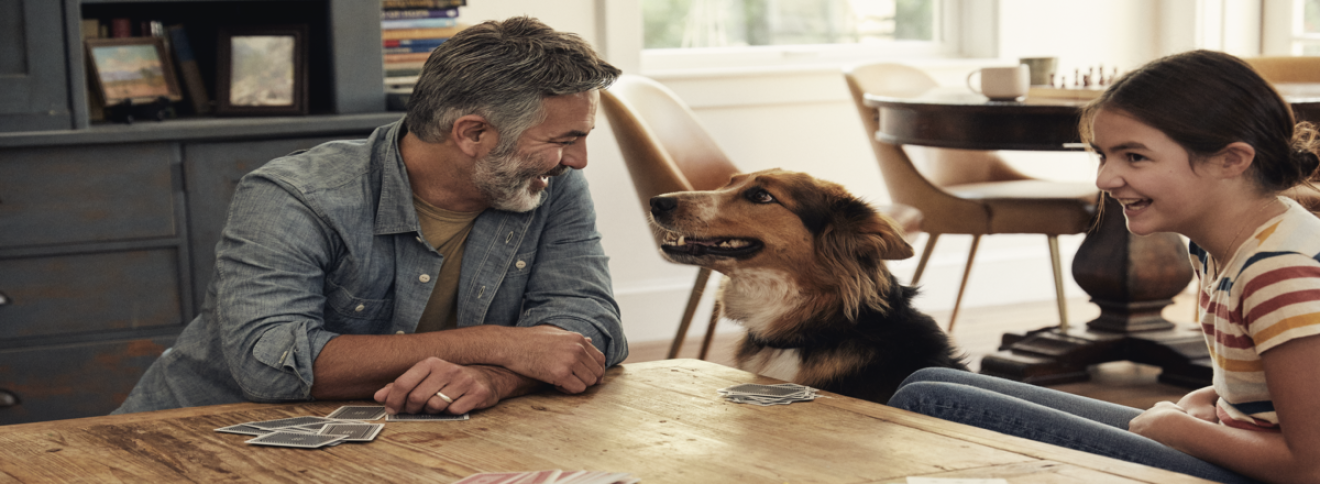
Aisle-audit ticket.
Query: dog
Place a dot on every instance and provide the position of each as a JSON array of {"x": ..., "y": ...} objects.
[{"x": 805, "y": 275}]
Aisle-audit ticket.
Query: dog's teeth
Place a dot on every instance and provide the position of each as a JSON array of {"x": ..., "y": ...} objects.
[{"x": 680, "y": 239}]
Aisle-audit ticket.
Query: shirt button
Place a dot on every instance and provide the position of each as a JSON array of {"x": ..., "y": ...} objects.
[
  {"x": 424, "y": 278},
  {"x": 360, "y": 307},
  {"x": 520, "y": 264}
]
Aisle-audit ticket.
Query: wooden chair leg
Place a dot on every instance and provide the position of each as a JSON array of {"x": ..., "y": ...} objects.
[
  {"x": 967, "y": 271},
  {"x": 925, "y": 257},
  {"x": 1058, "y": 283},
  {"x": 693, "y": 299},
  {"x": 710, "y": 328}
]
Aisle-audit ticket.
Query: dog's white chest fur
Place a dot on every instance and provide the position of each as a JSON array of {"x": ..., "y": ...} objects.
[
  {"x": 775, "y": 363},
  {"x": 757, "y": 298}
]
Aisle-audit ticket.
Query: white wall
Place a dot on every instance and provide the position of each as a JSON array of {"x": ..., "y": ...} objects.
[{"x": 803, "y": 119}]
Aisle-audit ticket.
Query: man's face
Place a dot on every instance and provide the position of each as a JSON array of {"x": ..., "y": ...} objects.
[{"x": 513, "y": 181}]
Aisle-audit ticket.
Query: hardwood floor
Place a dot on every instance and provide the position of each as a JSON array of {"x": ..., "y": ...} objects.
[{"x": 978, "y": 331}]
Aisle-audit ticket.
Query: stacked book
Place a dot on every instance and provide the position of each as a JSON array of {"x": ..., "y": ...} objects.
[{"x": 411, "y": 29}]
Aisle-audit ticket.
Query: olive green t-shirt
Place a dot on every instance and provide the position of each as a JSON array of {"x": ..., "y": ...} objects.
[{"x": 447, "y": 231}]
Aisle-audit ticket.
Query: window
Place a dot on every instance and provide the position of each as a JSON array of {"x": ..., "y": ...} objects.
[
  {"x": 743, "y": 33},
  {"x": 1306, "y": 27}
]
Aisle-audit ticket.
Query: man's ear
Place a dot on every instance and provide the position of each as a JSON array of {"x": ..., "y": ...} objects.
[
  {"x": 1235, "y": 159},
  {"x": 473, "y": 135}
]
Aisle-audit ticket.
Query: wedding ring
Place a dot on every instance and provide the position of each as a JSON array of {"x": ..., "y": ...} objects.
[{"x": 444, "y": 397}]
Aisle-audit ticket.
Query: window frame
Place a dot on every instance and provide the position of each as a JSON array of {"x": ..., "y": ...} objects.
[{"x": 947, "y": 44}]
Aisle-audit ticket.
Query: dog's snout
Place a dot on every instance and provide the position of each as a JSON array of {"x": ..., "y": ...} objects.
[{"x": 661, "y": 205}]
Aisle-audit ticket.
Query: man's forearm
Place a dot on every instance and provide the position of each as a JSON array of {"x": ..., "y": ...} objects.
[{"x": 355, "y": 366}]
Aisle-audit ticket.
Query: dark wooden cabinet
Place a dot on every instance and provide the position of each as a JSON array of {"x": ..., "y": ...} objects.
[{"x": 108, "y": 231}]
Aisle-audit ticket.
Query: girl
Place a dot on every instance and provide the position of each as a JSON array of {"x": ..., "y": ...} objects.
[{"x": 1195, "y": 143}]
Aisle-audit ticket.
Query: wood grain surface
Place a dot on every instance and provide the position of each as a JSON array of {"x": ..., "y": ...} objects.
[{"x": 660, "y": 421}]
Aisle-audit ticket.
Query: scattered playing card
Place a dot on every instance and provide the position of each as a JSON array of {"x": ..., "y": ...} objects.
[
  {"x": 285, "y": 422},
  {"x": 761, "y": 390},
  {"x": 358, "y": 412},
  {"x": 242, "y": 429},
  {"x": 492, "y": 478},
  {"x": 765, "y": 395},
  {"x": 353, "y": 432},
  {"x": 300, "y": 440},
  {"x": 423, "y": 417}
]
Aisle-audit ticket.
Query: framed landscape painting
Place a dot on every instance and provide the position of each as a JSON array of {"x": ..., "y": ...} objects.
[
  {"x": 133, "y": 69},
  {"x": 262, "y": 70}
]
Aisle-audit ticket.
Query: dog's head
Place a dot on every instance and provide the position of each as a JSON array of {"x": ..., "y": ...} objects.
[{"x": 810, "y": 229}]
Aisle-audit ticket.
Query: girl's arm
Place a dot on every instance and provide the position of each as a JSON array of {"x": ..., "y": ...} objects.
[
  {"x": 1201, "y": 404},
  {"x": 1291, "y": 456}
]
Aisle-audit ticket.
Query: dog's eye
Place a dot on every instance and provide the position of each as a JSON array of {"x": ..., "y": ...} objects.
[{"x": 759, "y": 195}]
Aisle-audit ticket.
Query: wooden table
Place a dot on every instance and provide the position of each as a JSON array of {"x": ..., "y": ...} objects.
[{"x": 660, "y": 421}]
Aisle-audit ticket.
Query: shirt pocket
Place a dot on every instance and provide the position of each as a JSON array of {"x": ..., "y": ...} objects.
[{"x": 346, "y": 313}]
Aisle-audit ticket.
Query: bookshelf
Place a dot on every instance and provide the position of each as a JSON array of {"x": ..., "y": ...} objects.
[{"x": 109, "y": 229}]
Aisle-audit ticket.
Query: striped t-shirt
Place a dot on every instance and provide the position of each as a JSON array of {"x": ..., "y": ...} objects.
[{"x": 1267, "y": 294}]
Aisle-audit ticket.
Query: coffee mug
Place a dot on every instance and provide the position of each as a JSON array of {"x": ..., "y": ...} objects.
[
  {"x": 1001, "y": 83},
  {"x": 1042, "y": 69}
]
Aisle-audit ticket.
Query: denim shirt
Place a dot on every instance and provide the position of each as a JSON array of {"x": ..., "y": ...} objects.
[{"x": 326, "y": 242}]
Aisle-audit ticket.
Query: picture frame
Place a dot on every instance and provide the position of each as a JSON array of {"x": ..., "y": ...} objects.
[
  {"x": 135, "y": 69},
  {"x": 262, "y": 70}
]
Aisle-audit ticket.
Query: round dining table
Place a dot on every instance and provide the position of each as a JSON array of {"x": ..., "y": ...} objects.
[{"x": 1131, "y": 278}]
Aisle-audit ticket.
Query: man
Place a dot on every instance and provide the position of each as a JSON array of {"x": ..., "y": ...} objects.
[{"x": 447, "y": 262}]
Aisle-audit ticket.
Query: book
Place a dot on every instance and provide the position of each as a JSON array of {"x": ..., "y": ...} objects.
[
  {"x": 417, "y": 23},
  {"x": 121, "y": 27},
  {"x": 407, "y": 42},
  {"x": 409, "y": 49},
  {"x": 433, "y": 33},
  {"x": 414, "y": 4},
  {"x": 91, "y": 28},
  {"x": 403, "y": 69},
  {"x": 419, "y": 13},
  {"x": 186, "y": 63},
  {"x": 413, "y": 57}
]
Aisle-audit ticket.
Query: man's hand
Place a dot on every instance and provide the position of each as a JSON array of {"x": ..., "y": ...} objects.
[
  {"x": 468, "y": 387},
  {"x": 561, "y": 358}
]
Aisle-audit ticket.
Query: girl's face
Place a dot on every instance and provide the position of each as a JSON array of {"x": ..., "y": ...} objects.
[{"x": 1149, "y": 174}]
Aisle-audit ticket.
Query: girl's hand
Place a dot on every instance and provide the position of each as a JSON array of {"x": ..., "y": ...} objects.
[
  {"x": 1201, "y": 404},
  {"x": 1159, "y": 422}
]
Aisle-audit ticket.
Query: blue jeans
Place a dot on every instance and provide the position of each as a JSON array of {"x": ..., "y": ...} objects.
[{"x": 1045, "y": 415}]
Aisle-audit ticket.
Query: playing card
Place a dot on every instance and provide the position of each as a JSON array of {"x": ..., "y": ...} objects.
[
  {"x": 762, "y": 390},
  {"x": 285, "y": 422},
  {"x": 353, "y": 432},
  {"x": 300, "y": 440},
  {"x": 492, "y": 478},
  {"x": 358, "y": 412},
  {"x": 423, "y": 417},
  {"x": 242, "y": 429}
]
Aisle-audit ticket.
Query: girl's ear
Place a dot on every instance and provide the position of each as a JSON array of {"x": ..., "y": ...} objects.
[{"x": 1235, "y": 159}]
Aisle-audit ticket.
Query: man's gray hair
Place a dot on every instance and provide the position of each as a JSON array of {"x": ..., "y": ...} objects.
[{"x": 502, "y": 71}]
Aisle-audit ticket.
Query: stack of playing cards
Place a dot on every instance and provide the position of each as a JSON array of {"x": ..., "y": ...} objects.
[
  {"x": 763, "y": 395},
  {"x": 550, "y": 477},
  {"x": 343, "y": 425}
]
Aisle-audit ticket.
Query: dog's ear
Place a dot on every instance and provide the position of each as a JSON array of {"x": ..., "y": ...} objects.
[
  {"x": 892, "y": 245},
  {"x": 854, "y": 245}
]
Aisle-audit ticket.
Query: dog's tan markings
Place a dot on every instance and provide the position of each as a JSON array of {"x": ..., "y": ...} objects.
[{"x": 823, "y": 367}]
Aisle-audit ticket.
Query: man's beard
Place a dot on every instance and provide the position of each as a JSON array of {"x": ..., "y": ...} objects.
[{"x": 506, "y": 179}]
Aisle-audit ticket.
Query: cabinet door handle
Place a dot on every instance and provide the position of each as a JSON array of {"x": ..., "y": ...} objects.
[
  {"x": 4, "y": 300},
  {"x": 8, "y": 399}
]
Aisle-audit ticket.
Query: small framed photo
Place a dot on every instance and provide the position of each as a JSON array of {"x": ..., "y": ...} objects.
[
  {"x": 262, "y": 70},
  {"x": 133, "y": 69}
]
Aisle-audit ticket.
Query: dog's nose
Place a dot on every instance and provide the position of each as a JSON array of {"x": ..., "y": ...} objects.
[{"x": 663, "y": 204}]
